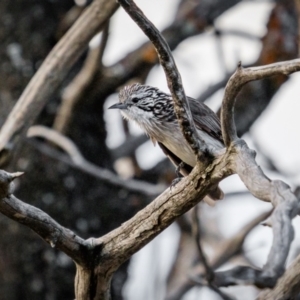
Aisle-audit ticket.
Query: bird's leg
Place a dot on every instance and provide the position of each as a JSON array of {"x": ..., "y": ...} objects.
[
  {"x": 178, "y": 174},
  {"x": 177, "y": 170}
]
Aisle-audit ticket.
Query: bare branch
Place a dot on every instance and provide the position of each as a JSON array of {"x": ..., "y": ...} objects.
[
  {"x": 41, "y": 223},
  {"x": 226, "y": 250},
  {"x": 233, "y": 246},
  {"x": 159, "y": 214},
  {"x": 286, "y": 208},
  {"x": 237, "y": 276},
  {"x": 166, "y": 59},
  {"x": 78, "y": 161},
  {"x": 235, "y": 84},
  {"x": 54, "y": 69},
  {"x": 238, "y": 33},
  {"x": 287, "y": 287},
  {"x": 74, "y": 91},
  {"x": 209, "y": 273}
]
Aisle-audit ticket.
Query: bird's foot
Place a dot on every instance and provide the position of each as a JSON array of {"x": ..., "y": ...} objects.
[
  {"x": 177, "y": 171},
  {"x": 178, "y": 174},
  {"x": 175, "y": 181}
]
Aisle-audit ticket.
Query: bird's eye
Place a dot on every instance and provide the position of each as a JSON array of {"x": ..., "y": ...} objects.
[{"x": 135, "y": 100}]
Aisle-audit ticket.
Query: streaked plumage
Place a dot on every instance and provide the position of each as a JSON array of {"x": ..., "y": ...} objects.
[{"x": 153, "y": 111}]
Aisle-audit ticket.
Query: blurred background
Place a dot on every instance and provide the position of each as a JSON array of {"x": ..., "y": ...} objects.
[{"x": 208, "y": 39}]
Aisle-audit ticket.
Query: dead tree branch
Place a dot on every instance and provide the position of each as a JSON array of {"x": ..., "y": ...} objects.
[
  {"x": 75, "y": 89},
  {"x": 238, "y": 80},
  {"x": 98, "y": 259},
  {"x": 54, "y": 69},
  {"x": 277, "y": 192},
  {"x": 37, "y": 220},
  {"x": 209, "y": 273},
  {"x": 226, "y": 250},
  {"x": 78, "y": 161}
]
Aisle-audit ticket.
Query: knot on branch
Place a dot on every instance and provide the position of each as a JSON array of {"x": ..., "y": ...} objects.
[{"x": 6, "y": 185}]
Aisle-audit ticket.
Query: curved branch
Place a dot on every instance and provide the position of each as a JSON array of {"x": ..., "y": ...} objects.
[
  {"x": 235, "y": 84},
  {"x": 78, "y": 161},
  {"x": 282, "y": 198},
  {"x": 166, "y": 59},
  {"x": 73, "y": 92},
  {"x": 277, "y": 192},
  {"x": 40, "y": 222}
]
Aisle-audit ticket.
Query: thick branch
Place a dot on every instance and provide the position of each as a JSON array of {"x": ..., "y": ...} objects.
[{"x": 124, "y": 241}]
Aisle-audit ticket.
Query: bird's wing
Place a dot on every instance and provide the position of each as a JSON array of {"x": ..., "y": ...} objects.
[{"x": 205, "y": 119}]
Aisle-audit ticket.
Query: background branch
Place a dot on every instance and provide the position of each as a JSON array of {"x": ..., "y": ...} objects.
[
  {"x": 54, "y": 69},
  {"x": 78, "y": 161},
  {"x": 40, "y": 222},
  {"x": 74, "y": 91}
]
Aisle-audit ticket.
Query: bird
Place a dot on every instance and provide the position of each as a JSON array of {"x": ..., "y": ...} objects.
[{"x": 153, "y": 110}]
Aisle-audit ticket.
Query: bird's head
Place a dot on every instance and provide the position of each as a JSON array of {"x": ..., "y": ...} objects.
[{"x": 146, "y": 105}]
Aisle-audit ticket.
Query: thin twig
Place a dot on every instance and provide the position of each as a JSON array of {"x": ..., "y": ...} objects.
[
  {"x": 225, "y": 251},
  {"x": 78, "y": 161},
  {"x": 220, "y": 52},
  {"x": 209, "y": 273},
  {"x": 238, "y": 33}
]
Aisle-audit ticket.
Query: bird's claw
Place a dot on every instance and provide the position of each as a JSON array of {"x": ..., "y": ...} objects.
[
  {"x": 175, "y": 181},
  {"x": 177, "y": 171},
  {"x": 178, "y": 174}
]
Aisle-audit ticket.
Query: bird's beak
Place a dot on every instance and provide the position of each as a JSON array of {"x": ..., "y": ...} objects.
[{"x": 119, "y": 106}]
